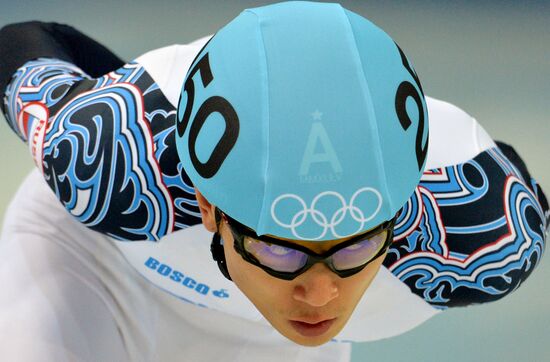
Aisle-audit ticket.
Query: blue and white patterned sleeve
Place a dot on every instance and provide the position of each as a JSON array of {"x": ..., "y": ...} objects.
[
  {"x": 474, "y": 229},
  {"x": 104, "y": 144}
]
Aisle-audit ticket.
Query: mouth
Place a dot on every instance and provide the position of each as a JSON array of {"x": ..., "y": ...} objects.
[{"x": 312, "y": 329}]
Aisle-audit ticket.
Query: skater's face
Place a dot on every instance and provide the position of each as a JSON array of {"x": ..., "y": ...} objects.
[{"x": 310, "y": 309}]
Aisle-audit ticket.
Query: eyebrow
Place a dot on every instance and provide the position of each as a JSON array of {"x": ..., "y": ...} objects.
[
  {"x": 317, "y": 246},
  {"x": 296, "y": 243},
  {"x": 289, "y": 243},
  {"x": 314, "y": 242}
]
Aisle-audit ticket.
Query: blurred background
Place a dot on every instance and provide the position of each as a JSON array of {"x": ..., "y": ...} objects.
[{"x": 490, "y": 58}]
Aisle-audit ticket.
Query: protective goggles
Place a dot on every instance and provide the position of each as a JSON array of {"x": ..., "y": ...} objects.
[{"x": 285, "y": 260}]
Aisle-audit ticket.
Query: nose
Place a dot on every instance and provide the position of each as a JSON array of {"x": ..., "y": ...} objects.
[{"x": 316, "y": 287}]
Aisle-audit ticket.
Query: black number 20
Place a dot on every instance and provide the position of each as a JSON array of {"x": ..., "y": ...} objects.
[
  {"x": 209, "y": 106},
  {"x": 405, "y": 90}
]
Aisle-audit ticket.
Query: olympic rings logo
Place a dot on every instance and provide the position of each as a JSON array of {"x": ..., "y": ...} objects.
[{"x": 326, "y": 223}]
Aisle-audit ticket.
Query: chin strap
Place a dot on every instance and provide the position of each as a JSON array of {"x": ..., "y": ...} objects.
[{"x": 216, "y": 247}]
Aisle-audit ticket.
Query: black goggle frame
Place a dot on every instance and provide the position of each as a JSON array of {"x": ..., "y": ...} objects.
[{"x": 240, "y": 231}]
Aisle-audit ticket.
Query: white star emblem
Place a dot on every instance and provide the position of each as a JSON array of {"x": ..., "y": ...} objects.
[{"x": 317, "y": 115}]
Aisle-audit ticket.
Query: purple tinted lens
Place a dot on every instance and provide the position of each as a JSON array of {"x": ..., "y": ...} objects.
[
  {"x": 359, "y": 253},
  {"x": 274, "y": 256}
]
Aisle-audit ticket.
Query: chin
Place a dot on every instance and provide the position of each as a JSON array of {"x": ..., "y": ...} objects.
[{"x": 310, "y": 342}]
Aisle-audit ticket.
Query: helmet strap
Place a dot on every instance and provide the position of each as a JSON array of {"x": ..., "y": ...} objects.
[{"x": 216, "y": 248}]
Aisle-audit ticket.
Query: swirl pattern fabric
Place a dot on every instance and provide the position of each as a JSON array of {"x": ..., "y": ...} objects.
[
  {"x": 108, "y": 148},
  {"x": 471, "y": 233}
]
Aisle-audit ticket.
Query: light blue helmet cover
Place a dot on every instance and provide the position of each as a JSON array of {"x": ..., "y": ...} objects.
[{"x": 303, "y": 121}]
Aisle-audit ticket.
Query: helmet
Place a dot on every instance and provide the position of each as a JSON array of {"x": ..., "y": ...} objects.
[{"x": 303, "y": 121}]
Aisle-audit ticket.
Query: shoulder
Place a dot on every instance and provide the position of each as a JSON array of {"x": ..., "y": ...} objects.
[
  {"x": 455, "y": 136},
  {"x": 474, "y": 229},
  {"x": 168, "y": 66}
]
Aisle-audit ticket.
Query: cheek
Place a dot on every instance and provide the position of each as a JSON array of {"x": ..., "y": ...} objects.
[
  {"x": 355, "y": 286},
  {"x": 261, "y": 288}
]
